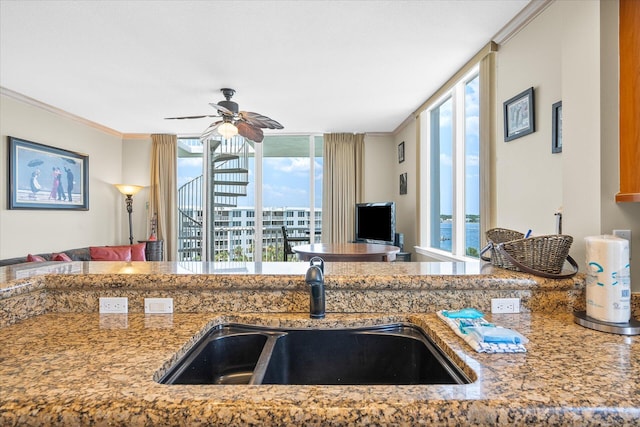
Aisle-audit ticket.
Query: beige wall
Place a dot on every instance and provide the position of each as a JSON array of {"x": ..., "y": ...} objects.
[
  {"x": 382, "y": 183},
  {"x": 582, "y": 164},
  {"x": 567, "y": 53},
  {"x": 528, "y": 187},
  {"x": 136, "y": 169},
  {"x": 378, "y": 150},
  {"x": 41, "y": 231},
  {"x": 406, "y": 204}
]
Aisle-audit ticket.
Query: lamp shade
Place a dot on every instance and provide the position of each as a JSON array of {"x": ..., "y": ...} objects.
[
  {"x": 128, "y": 190},
  {"x": 227, "y": 130}
]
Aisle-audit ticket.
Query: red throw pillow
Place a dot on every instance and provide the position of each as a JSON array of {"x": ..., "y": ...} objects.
[
  {"x": 60, "y": 257},
  {"x": 110, "y": 253},
  {"x": 35, "y": 258},
  {"x": 137, "y": 252}
]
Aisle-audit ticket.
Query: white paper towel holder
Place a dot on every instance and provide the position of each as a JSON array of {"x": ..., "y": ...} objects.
[{"x": 632, "y": 327}]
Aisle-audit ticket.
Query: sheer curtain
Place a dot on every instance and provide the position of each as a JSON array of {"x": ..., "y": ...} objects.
[
  {"x": 342, "y": 185},
  {"x": 163, "y": 191}
]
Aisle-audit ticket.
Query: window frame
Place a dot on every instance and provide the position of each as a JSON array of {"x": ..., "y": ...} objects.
[{"x": 456, "y": 92}]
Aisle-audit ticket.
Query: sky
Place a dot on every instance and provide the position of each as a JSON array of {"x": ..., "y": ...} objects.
[
  {"x": 285, "y": 180},
  {"x": 472, "y": 154}
]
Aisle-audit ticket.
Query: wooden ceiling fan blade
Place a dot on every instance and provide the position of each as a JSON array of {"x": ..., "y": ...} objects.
[
  {"x": 249, "y": 124},
  {"x": 260, "y": 120},
  {"x": 192, "y": 117},
  {"x": 249, "y": 131}
]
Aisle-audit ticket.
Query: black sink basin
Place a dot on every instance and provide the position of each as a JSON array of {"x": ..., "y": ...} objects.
[
  {"x": 226, "y": 356},
  {"x": 396, "y": 354}
]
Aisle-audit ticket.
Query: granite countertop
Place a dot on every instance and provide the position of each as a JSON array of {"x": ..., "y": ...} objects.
[
  {"x": 86, "y": 368},
  {"x": 62, "y": 363},
  {"x": 370, "y": 275}
]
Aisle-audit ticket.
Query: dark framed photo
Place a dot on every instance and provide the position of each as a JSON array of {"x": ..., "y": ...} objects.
[
  {"x": 401, "y": 152},
  {"x": 519, "y": 119},
  {"x": 556, "y": 127},
  {"x": 44, "y": 177},
  {"x": 403, "y": 183}
]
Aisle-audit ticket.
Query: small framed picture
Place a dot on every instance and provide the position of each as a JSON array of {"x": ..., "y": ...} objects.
[
  {"x": 519, "y": 119},
  {"x": 401, "y": 152},
  {"x": 556, "y": 127},
  {"x": 44, "y": 177},
  {"x": 403, "y": 183}
]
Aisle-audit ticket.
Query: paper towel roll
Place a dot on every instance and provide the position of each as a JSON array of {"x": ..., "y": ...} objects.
[{"x": 608, "y": 279}]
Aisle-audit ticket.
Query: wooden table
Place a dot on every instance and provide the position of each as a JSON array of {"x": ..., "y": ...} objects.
[{"x": 347, "y": 252}]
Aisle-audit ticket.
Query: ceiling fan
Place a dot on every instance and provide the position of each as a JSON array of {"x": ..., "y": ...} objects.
[{"x": 234, "y": 122}]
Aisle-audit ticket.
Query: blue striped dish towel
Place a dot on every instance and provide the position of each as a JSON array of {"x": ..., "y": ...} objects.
[{"x": 485, "y": 337}]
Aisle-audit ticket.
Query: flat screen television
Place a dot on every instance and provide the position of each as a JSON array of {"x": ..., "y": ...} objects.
[{"x": 376, "y": 222}]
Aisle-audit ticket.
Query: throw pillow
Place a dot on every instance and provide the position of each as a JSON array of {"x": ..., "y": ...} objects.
[
  {"x": 110, "y": 253},
  {"x": 35, "y": 258},
  {"x": 137, "y": 252},
  {"x": 60, "y": 257}
]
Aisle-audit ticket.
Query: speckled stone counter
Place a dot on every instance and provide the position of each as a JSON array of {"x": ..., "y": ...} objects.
[
  {"x": 31, "y": 290},
  {"x": 62, "y": 363},
  {"x": 81, "y": 369}
]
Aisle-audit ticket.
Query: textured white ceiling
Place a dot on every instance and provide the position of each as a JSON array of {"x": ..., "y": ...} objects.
[{"x": 315, "y": 66}]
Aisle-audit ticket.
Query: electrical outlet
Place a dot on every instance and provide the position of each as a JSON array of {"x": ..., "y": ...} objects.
[
  {"x": 505, "y": 305},
  {"x": 158, "y": 305},
  {"x": 624, "y": 234},
  {"x": 113, "y": 305}
]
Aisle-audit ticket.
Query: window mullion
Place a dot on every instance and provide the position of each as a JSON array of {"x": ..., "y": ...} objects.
[
  {"x": 312, "y": 188},
  {"x": 257, "y": 240},
  {"x": 457, "y": 247},
  {"x": 425, "y": 165}
]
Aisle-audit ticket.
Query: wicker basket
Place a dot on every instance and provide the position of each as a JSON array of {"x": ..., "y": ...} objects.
[
  {"x": 496, "y": 236},
  {"x": 541, "y": 255}
]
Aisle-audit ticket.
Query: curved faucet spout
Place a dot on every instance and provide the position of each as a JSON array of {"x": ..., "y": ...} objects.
[{"x": 315, "y": 279}]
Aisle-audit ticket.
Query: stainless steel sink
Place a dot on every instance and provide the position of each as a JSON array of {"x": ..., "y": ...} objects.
[{"x": 397, "y": 354}]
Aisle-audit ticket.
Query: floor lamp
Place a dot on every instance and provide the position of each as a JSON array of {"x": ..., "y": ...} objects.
[{"x": 129, "y": 191}]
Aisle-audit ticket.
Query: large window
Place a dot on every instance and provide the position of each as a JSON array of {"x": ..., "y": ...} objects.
[
  {"x": 450, "y": 188},
  {"x": 291, "y": 169},
  {"x": 441, "y": 182},
  {"x": 246, "y": 185}
]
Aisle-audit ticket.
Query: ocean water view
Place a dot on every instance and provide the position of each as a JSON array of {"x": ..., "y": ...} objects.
[{"x": 472, "y": 235}]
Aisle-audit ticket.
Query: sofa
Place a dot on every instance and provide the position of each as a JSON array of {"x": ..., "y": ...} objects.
[{"x": 90, "y": 253}]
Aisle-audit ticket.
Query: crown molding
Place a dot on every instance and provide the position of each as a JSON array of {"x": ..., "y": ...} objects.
[
  {"x": 526, "y": 15},
  {"x": 378, "y": 134},
  {"x": 136, "y": 136},
  {"x": 405, "y": 122},
  {"x": 57, "y": 111}
]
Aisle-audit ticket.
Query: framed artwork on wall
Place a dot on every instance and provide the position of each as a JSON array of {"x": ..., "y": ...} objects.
[
  {"x": 556, "y": 127},
  {"x": 45, "y": 177},
  {"x": 403, "y": 183},
  {"x": 519, "y": 117},
  {"x": 401, "y": 152}
]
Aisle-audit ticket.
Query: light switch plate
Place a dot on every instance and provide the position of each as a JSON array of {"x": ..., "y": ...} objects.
[
  {"x": 505, "y": 305},
  {"x": 158, "y": 305},
  {"x": 113, "y": 305}
]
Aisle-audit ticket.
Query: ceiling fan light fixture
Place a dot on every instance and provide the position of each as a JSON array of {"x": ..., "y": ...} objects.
[{"x": 227, "y": 130}]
